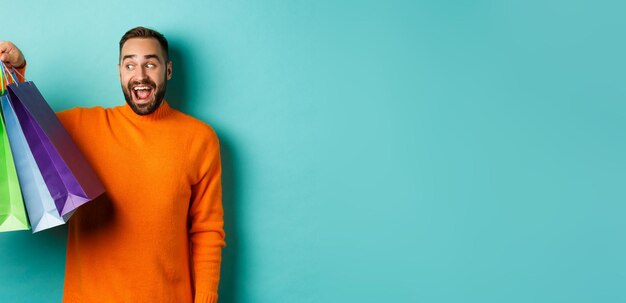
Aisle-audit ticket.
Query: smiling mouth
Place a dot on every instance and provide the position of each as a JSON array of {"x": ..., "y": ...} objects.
[{"x": 142, "y": 93}]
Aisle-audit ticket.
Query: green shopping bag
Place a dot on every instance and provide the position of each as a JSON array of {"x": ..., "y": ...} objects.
[{"x": 12, "y": 211}]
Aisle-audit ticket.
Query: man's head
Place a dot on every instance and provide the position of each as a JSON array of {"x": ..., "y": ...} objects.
[{"x": 144, "y": 69}]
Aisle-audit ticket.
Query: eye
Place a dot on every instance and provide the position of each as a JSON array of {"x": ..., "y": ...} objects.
[
  {"x": 129, "y": 66},
  {"x": 150, "y": 65}
]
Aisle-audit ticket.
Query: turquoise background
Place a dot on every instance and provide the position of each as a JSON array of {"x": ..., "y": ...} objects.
[{"x": 373, "y": 151}]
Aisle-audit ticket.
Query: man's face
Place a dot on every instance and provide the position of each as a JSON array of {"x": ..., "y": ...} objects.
[{"x": 144, "y": 74}]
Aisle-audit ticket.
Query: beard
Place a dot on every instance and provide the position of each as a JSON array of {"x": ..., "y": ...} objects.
[{"x": 150, "y": 107}]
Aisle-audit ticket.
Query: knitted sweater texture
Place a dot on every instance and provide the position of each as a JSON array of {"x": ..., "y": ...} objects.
[{"x": 156, "y": 235}]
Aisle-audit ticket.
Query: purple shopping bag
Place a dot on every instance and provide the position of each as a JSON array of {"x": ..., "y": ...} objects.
[{"x": 70, "y": 179}]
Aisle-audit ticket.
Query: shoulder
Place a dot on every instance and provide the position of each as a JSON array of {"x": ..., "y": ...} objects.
[
  {"x": 79, "y": 111},
  {"x": 73, "y": 116},
  {"x": 200, "y": 130},
  {"x": 202, "y": 143}
]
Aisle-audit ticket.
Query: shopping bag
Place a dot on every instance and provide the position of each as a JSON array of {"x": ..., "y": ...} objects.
[
  {"x": 12, "y": 212},
  {"x": 70, "y": 179},
  {"x": 40, "y": 206}
]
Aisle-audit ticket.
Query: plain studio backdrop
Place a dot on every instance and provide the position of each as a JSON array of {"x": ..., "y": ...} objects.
[{"x": 373, "y": 151}]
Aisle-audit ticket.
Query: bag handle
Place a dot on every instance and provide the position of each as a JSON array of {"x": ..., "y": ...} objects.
[
  {"x": 2, "y": 81},
  {"x": 6, "y": 80}
]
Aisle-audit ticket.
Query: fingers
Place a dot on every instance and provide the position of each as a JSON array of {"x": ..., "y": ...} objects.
[
  {"x": 4, "y": 46},
  {"x": 10, "y": 54}
]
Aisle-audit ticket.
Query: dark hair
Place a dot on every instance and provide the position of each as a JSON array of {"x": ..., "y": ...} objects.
[{"x": 143, "y": 32}]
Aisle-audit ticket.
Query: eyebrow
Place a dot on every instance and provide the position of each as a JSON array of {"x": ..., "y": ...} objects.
[{"x": 150, "y": 56}]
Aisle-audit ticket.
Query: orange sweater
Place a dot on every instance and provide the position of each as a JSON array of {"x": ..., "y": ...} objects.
[{"x": 157, "y": 233}]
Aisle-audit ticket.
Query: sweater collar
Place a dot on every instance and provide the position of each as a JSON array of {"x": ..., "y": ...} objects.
[{"x": 159, "y": 114}]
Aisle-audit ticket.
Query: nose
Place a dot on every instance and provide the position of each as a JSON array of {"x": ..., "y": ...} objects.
[{"x": 141, "y": 73}]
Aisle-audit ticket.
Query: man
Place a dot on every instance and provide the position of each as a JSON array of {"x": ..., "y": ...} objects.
[{"x": 157, "y": 233}]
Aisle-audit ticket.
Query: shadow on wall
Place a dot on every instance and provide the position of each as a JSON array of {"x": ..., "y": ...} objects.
[
  {"x": 231, "y": 254},
  {"x": 177, "y": 87},
  {"x": 177, "y": 94},
  {"x": 179, "y": 97}
]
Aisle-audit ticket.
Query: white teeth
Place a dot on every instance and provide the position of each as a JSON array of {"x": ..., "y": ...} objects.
[{"x": 141, "y": 88}]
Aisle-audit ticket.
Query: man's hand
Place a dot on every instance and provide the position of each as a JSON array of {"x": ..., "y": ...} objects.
[{"x": 11, "y": 55}]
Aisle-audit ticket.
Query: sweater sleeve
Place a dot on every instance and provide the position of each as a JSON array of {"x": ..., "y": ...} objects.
[{"x": 206, "y": 224}]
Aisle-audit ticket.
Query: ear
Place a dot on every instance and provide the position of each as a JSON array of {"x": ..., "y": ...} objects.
[
  {"x": 119, "y": 70},
  {"x": 169, "y": 70}
]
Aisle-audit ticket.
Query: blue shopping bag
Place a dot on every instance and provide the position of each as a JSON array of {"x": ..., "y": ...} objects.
[
  {"x": 40, "y": 206},
  {"x": 12, "y": 211}
]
